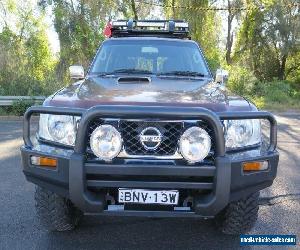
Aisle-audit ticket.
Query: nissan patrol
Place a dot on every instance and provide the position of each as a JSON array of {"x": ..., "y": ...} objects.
[{"x": 149, "y": 131}]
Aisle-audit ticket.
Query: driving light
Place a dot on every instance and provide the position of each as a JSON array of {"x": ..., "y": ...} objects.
[
  {"x": 149, "y": 24},
  {"x": 195, "y": 144},
  {"x": 106, "y": 142},
  {"x": 58, "y": 128},
  {"x": 242, "y": 133}
]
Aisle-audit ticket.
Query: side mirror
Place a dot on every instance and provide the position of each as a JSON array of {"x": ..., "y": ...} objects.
[
  {"x": 221, "y": 76},
  {"x": 76, "y": 72}
]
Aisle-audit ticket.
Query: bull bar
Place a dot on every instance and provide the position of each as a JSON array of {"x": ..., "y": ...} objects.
[{"x": 76, "y": 182}]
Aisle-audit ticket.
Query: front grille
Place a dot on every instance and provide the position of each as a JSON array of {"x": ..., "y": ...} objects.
[
  {"x": 131, "y": 129},
  {"x": 170, "y": 132}
]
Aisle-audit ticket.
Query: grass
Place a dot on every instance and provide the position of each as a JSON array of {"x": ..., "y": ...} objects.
[
  {"x": 274, "y": 95},
  {"x": 273, "y": 106},
  {"x": 281, "y": 106}
]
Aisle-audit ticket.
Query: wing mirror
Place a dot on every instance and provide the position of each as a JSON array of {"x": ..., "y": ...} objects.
[
  {"x": 76, "y": 72},
  {"x": 222, "y": 76}
]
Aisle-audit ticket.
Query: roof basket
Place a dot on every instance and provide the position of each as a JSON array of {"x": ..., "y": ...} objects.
[{"x": 165, "y": 28}]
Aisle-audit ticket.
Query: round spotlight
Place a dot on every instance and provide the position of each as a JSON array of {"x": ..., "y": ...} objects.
[
  {"x": 195, "y": 144},
  {"x": 106, "y": 142}
]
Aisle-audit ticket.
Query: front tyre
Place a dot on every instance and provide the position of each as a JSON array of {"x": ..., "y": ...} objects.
[
  {"x": 239, "y": 216},
  {"x": 56, "y": 213}
]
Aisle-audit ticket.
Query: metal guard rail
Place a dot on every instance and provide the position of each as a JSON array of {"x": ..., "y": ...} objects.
[{"x": 9, "y": 100}]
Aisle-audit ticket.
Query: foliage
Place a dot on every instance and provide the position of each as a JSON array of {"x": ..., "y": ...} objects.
[
  {"x": 234, "y": 14},
  {"x": 276, "y": 94},
  {"x": 269, "y": 37},
  {"x": 18, "y": 108},
  {"x": 26, "y": 62},
  {"x": 265, "y": 65},
  {"x": 241, "y": 80},
  {"x": 79, "y": 27},
  {"x": 261, "y": 46},
  {"x": 204, "y": 25},
  {"x": 279, "y": 95}
]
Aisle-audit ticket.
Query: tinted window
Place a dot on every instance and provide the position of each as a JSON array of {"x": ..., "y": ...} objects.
[{"x": 150, "y": 55}]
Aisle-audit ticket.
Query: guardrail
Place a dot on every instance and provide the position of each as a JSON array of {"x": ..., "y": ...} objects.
[{"x": 9, "y": 100}]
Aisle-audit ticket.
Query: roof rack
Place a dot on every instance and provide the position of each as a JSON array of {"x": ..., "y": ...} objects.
[{"x": 165, "y": 28}]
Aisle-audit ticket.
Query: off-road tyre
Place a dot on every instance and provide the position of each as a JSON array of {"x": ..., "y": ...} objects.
[
  {"x": 239, "y": 216},
  {"x": 55, "y": 213}
]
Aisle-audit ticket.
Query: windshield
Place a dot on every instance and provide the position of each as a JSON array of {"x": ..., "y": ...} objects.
[{"x": 150, "y": 57}]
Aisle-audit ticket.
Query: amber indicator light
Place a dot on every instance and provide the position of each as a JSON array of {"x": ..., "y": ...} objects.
[
  {"x": 255, "y": 166},
  {"x": 43, "y": 161}
]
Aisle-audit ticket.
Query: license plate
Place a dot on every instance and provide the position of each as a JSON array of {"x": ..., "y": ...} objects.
[{"x": 142, "y": 196}]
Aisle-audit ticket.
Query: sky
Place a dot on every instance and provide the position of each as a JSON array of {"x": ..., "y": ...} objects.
[{"x": 52, "y": 35}]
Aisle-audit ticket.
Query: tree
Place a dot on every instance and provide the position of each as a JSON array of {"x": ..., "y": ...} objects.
[
  {"x": 26, "y": 59},
  {"x": 269, "y": 36},
  {"x": 134, "y": 9},
  {"x": 80, "y": 24},
  {"x": 204, "y": 25},
  {"x": 131, "y": 9},
  {"x": 234, "y": 13}
]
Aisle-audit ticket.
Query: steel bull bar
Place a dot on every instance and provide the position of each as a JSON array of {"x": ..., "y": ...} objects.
[{"x": 207, "y": 205}]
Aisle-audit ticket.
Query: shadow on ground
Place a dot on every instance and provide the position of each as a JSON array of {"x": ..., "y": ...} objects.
[{"x": 133, "y": 233}]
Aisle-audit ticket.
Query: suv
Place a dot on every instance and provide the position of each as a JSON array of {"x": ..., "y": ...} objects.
[{"x": 149, "y": 132}]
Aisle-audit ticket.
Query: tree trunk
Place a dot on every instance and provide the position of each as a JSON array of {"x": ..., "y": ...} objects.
[
  {"x": 281, "y": 72},
  {"x": 133, "y": 7},
  {"x": 229, "y": 40},
  {"x": 173, "y": 9},
  {"x": 229, "y": 48}
]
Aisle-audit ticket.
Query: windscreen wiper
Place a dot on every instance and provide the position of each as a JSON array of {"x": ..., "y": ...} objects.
[
  {"x": 132, "y": 71},
  {"x": 181, "y": 73},
  {"x": 123, "y": 71}
]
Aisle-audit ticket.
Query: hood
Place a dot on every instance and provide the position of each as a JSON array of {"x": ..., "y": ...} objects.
[{"x": 162, "y": 91}]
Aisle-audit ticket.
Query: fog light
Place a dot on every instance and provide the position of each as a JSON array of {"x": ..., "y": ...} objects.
[
  {"x": 255, "y": 166},
  {"x": 195, "y": 144},
  {"x": 43, "y": 161},
  {"x": 106, "y": 142}
]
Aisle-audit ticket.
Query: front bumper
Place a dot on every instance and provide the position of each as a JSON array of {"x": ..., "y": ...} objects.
[
  {"x": 70, "y": 180},
  {"x": 213, "y": 186}
]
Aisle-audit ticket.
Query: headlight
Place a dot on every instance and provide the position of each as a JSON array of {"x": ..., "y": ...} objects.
[
  {"x": 58, "y": 128},
  {"x": 195, "y": 144},
  {"x": 106, "y": 142},
  {"x": 242, "y": 133}
]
